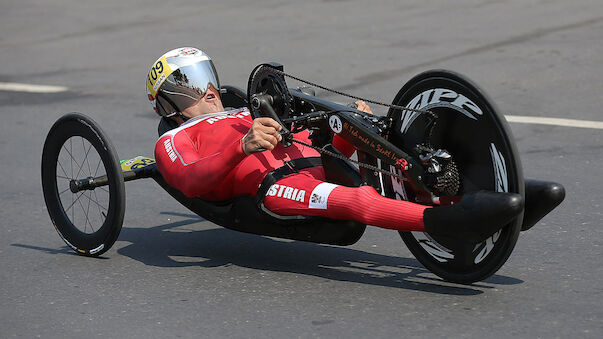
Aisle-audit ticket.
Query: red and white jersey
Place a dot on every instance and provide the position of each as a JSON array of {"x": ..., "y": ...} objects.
[{"x": 204, "y": 156}]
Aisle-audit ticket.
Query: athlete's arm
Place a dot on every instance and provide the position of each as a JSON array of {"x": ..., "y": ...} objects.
[
  {"x": 195, "y": 174},
  {"x": 362, "y": 106},
  {"x": 263, "y": 134}
]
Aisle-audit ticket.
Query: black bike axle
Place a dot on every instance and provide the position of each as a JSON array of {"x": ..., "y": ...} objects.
[{"x": 91, "y": 183}]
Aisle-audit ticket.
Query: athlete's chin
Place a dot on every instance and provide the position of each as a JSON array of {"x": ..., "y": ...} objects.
[
  {"x": 217, "y": 108},
  {"x": 212, "y": 108}
]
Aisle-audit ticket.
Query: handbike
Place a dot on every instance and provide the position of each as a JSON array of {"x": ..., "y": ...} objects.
[{"x": 441, "y": 138}]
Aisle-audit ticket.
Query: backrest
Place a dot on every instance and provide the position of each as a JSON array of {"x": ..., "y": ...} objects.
[{"x": 166, "y": 124}]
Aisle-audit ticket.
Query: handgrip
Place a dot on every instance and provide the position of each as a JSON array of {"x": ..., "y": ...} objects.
[{"x": 263, "y": 102}]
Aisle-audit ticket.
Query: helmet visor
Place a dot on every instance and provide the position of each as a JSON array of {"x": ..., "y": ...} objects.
[{"x": 186, "y": 85}]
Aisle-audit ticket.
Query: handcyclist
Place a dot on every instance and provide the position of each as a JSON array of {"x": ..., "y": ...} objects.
[{"x": 217, "y": 155}]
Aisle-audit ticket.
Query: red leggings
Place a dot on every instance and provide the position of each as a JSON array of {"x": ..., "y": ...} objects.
[{"x": 304, "y": 193}]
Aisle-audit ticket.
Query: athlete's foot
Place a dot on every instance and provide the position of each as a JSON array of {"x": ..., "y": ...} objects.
[{"x": 475, "y": 218}]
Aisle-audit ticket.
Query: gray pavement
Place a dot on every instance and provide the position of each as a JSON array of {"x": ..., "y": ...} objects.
[{"x": 171, "y": 274}]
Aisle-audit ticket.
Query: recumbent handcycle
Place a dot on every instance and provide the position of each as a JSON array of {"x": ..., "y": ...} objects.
[{"x": 441, "y": 138}]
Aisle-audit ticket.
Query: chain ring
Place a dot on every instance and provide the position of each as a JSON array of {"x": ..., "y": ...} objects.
[{"x": 266, "y": 79}]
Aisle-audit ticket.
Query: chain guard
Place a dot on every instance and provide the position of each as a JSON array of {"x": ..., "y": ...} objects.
[{"x": 266, "y": 79}]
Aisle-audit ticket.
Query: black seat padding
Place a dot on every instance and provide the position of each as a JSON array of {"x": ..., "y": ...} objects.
[
  {"x": 243, "y": 214},
  {"x": 166, "y": 124}
]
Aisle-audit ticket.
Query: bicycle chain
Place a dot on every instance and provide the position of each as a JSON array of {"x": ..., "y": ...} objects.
[
  {"x": 335, "y": 155},
  {"x": 430, "y": 113},
  {"x": 342, "y": 157}
]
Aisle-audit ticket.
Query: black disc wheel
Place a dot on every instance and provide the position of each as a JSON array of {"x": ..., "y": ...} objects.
[
  {"x": 88, "y": 220},
  {"x": 469, "y": 127}
]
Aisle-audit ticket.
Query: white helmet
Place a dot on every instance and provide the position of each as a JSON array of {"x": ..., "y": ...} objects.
[{"x": 179, "y": 78}]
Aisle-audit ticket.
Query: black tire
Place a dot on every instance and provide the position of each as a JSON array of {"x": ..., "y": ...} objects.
[
  {"x": 483, "y": 148},
  {"x": 77, "y": 148}
]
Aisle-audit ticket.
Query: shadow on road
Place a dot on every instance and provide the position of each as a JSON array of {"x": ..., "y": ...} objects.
[
  {"x": 168, "y": 246},
  {"x": 165, "y": 246}
]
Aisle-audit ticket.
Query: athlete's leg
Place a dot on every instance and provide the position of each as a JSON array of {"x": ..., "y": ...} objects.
[
  {"x": 303, "y": 194},
  {"x": 476, "y": 217}
]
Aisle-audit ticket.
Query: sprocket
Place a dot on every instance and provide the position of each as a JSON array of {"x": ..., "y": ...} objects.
[{"x": 266, "y": 79}]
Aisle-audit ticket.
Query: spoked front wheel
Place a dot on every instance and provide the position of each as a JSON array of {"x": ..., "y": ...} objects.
[
  {"x": 88, "y": 219},
  {"x": 470, "y": 128}
]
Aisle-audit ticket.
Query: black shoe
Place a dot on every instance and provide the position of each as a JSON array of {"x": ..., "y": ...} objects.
[{"x": 475, "y": 218}]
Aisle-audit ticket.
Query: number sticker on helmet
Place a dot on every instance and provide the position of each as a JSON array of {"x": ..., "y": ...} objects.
[{"x": 157, "y": 75}]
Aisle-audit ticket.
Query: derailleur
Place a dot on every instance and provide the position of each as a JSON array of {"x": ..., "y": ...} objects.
[{"x": 442, "y": 175}]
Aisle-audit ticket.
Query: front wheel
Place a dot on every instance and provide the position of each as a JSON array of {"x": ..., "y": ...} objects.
[
  {"x": 89, "y": 220},
  {"x": 470, "y": 128}
]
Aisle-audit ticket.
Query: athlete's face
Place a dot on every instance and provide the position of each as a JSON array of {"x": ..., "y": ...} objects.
[{"x": 209, "y": 103}]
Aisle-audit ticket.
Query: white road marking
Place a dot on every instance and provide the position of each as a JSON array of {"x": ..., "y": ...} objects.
[
  {"x": 555, "y": 121},
  {"x": 17, "y": 87}
]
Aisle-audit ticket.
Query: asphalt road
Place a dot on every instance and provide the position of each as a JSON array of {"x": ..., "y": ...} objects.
[{"x": 171, "y": 274}]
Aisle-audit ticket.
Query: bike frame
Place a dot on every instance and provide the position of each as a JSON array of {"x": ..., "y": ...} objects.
[{"x": 368, "y": 134}]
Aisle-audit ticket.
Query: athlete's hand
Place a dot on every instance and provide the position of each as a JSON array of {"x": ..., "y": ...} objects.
[
  {"x": 263, "y": 135},
  {"x": 362, "y": 106}
]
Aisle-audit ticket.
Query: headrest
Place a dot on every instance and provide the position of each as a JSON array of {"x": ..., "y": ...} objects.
[{"x": 166, "y": 124}]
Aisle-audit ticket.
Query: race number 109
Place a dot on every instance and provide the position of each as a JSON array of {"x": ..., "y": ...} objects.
[{"x": 157, "y": 75}]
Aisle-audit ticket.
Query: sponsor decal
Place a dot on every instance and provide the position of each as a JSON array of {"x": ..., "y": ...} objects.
[
  {"x": 62, "y": 237},
  {"x": 437, "y": 251},
  {"x": 97, "y": 249},
  {"x": 398, "y": 185},
  {"x": 286, "y": 192},
  {"x": 135, "y": 163},
  {"x": 364, "y": 140},
  {"x": 486, "y": 247},
  {"x": 169, "y": 149},
  {"x": 439, "y": 97},
  {"x": 335, "y": 124},
  {"x": 128, "y": 163},
  {"x": 239, "y": 115},
  {"x": 318, "y": 200},
  {"x": 500, "y": 170},
  {"x": 188, "y": 51},
  {"x": 320, "y": 195},
  {"x": 501, "y": 184}
]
